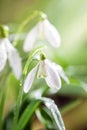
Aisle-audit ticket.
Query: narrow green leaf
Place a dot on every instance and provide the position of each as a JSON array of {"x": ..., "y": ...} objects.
[
  {"x": 44, "y": 115},
  {"x": 27, "y": 114},
  {"x": 3, "y": 86},
  {"x": 50, "y": 104},
  {"x": 17, "y": 108}
]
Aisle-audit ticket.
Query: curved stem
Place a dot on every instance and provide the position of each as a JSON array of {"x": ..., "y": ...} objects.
[
  {"x": 33, "y": 53},
  {"x": 24, "y": 23}
]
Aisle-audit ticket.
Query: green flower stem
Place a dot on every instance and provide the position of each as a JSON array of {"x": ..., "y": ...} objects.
[
  {"x": 33, "y": 53},
  {"x": 18, "y": 105},
  {"x": 22, "y": 26}
]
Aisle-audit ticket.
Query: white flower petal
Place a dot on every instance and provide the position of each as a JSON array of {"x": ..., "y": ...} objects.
[
  {"x": 14, "y": 59},
  {"x": 41, "y": 31},
  {"x": 52, "y": 79},
  {"x": 42, "y": 69},
  {"x": 30, "y": 39},
  {"x": 3, "y": 56},
  {"x": 51, "y": 34},
  {"x": 29, "y": 79},
  {"x": 62, "y": 73}
]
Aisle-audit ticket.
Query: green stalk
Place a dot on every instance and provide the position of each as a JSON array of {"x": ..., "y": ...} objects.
[
  {"x": 33, "y": 53},
  {"x": 24, "y": 23},
  {"x": 18, "y": 105}
]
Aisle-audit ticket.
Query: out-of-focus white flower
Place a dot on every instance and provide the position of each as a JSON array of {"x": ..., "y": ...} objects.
[
  {"x": 44, "y": 30},
  {"x": 47, "y": 70},
  {"x": 7, "y": 51}
]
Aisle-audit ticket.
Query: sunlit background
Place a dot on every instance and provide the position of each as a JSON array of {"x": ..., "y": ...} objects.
[{"x": 70, "y": 18}]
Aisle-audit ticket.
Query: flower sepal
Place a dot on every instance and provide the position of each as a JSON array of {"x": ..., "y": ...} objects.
[{"x": 4, "y": 31}]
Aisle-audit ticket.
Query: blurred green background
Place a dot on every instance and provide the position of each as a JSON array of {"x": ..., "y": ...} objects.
[{"x": 70, "y": 18}]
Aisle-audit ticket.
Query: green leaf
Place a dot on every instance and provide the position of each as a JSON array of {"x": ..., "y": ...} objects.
[
  {"x": 44, "y": 115},
  {"x": 27, "y": 114},
  {"x": 55, "y": 113}
]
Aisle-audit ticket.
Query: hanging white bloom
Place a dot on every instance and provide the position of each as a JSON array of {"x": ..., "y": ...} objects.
[
  {"x": 44, "y": 30},
  {"x": 7, "y": 51},
  {"x": 59, "y": 69},
  {"x": 44, "y": 69}
]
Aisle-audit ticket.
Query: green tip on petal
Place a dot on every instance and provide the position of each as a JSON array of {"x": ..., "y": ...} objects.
[{"x": 4, "y": 30}]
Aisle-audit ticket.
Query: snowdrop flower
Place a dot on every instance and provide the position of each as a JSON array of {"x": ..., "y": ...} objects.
[
  {"x": 7, "y": 51},
  {"x": 59, "y": 69},
  {"x": 44, "y": 30},
  {"x": 47, "y": 70}
]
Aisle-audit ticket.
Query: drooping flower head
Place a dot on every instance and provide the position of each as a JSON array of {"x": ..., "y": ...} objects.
[
  {"x": 44, "y": 30},
  {"x": 7, "y": 51},
  {"x": 47, "y": 70}
]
